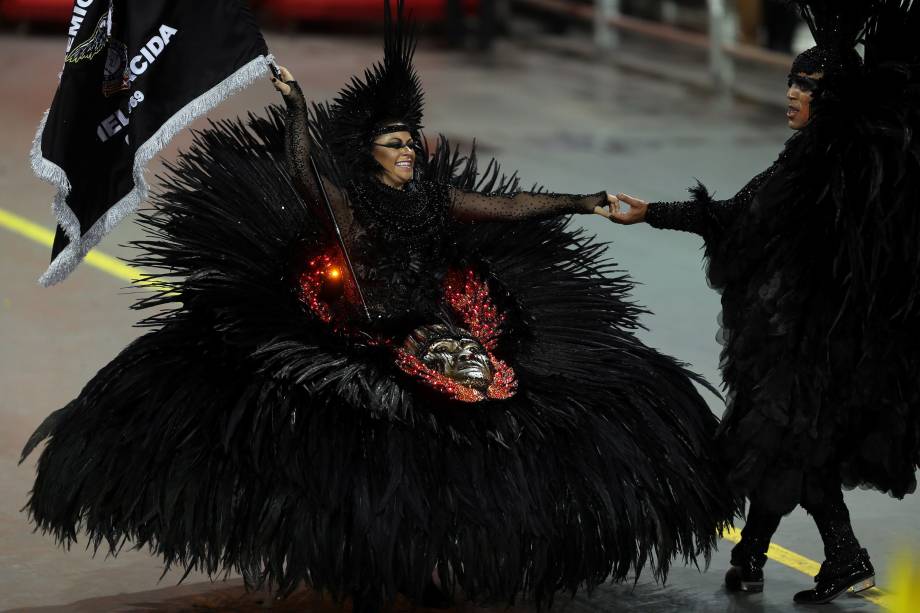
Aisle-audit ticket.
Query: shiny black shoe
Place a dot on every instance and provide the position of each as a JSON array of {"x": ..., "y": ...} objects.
[
  {"x": 836, "y": 577},
  {"x": 744, "y": 577},
  {"x": 747, "y": 561}
]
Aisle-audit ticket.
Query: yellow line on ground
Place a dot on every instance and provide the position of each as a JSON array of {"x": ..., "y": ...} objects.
[
  {"x": 905, "y": 583},
  {"x": 114, "y": 267},
  {"x": 802, "y": 564},
  {"x": 96, "y": 259}
]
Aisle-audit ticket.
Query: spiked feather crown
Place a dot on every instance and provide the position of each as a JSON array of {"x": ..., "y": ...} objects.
[{"x": 389, "y": 98}]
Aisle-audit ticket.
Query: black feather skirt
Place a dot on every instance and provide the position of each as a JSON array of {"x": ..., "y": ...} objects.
[{"x": 244, "y": 434}]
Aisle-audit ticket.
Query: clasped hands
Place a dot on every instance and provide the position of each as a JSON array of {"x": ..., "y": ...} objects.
[{"x": 634, "y": 212}]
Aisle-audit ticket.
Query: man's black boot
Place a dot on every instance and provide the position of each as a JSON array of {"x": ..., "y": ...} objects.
[
  {"x": 746, "y": 572},
  {"x": 837, "y": 576},
  {"x": 846, "y": 565},
  {"x": 749, "y": 556}
]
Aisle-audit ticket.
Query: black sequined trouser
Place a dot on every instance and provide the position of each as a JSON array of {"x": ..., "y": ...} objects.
[{"x": 832, "y": 518}]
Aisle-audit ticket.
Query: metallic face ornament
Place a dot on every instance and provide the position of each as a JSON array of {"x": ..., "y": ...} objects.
[
  {"x": 459, "y": 361},
  {"x": 452, "y": 353}
]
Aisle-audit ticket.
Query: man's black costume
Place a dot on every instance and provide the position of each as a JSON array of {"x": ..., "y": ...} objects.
[{"x": 818, "y": 262}]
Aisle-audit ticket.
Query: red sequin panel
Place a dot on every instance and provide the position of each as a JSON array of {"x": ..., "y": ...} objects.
[
  {"x": 504, "y": 382},
  {"x": 311, "y": 285},
  {"x": 468, "y": 296}
]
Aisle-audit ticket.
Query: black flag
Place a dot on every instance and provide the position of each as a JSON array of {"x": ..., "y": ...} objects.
[{"x": 135, "y": 73}]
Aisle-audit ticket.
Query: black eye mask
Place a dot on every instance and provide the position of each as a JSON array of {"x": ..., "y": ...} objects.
[
  {"x": 398, "y": 144},
  {"x": 805, "y": 84}
]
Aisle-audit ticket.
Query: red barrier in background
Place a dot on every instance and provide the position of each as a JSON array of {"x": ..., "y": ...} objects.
[
  {"x": 52, "y": 11},
  {"x": 354, "y": 10},
  {"x": 58, "y": 11}
]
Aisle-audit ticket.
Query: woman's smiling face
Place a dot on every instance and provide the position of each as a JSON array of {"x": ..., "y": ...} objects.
[{"x": 395, "y": 152}]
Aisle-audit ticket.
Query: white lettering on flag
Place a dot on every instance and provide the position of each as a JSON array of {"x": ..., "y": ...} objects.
[
  {"x": 149, "y": 52},
  {"x": 114, "y": 123},
  {"x": 76, "y": 20},
  {"x": 166, "y": 33}
]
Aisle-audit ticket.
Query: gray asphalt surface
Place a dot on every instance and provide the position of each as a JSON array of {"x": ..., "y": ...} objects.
[{"x": 572, "y": 126}]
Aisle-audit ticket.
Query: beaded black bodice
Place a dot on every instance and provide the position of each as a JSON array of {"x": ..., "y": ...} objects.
[
  {"x": 397, "y": 246},
  {"x": 415, "y": 215}
]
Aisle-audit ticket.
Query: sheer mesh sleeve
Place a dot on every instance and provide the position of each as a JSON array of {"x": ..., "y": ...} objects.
[
  {"x": 702, "y": 215},
  {"x": 297, "y": 148},
  {"x": 473, "y": 206},
  {"x": 297, "y": 140}
]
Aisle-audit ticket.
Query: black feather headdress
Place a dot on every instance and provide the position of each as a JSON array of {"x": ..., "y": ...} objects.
[
  {"x": 389, "y": 98},
  {"x": 837, "y": 28},
  {"x": 886, "y": 32}
]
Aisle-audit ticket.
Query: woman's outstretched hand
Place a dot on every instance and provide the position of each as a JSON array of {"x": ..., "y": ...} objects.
[
  {"x": 282, "y": 84},
  {"x": 606, "y": 211},
  {"x": 635, "y": 213}
]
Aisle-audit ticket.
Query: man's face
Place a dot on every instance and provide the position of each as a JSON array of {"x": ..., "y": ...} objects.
[{"x": 799, "y": 97}]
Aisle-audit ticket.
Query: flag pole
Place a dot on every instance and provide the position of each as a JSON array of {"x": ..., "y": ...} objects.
[
  {"x": 330, "y": 212},
  {"x": 339, "y": 237}
]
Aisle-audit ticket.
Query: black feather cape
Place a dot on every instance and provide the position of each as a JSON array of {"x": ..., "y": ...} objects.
[
  {"x": 240, "y": 435},
  {"x": 819, "y": 269}
]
